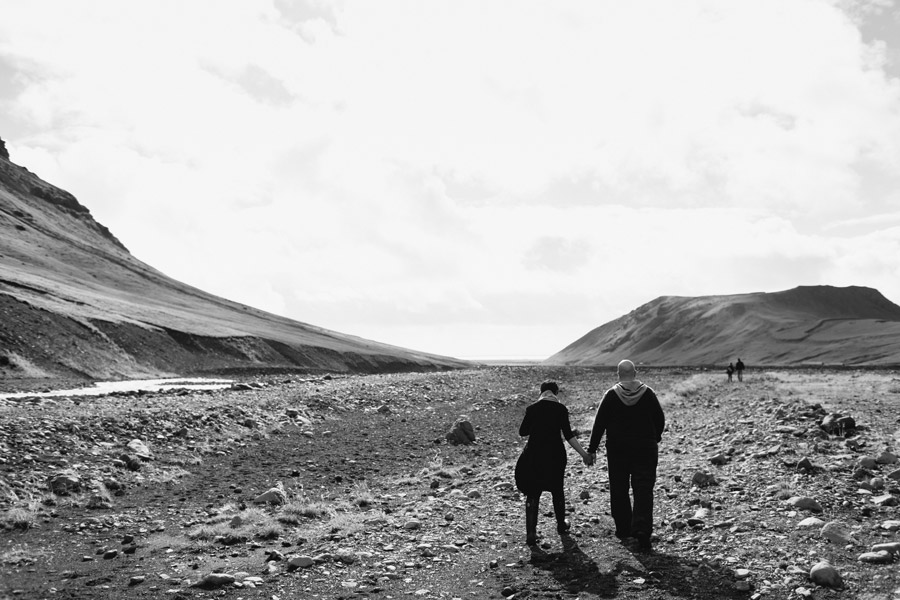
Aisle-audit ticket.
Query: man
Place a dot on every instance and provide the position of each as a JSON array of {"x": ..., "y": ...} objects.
[
  {"x": 633, "y": 421},
  {"x": 739, "y": 367}
]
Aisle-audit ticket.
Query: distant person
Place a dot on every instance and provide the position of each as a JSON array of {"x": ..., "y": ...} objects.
[
  {"x": 739, "y": 367},
  {"x": 632, "y": 419},
  {"x": 730, "y": 371},
  {"x": 542, "y": 465}
]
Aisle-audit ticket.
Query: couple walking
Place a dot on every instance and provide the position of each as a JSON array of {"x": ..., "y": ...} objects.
[{"x": 632, "y": 419}]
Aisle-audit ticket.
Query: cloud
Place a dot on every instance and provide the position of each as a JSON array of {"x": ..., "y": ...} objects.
[{"x": 423, "y": 172}]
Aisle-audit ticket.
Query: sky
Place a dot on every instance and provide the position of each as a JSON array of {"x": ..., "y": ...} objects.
[{"x": 479, "y": 179}]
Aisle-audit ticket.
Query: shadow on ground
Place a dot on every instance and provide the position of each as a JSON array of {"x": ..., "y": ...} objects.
[
  {"x": 575, "y": 571},
  {"x": 675, "y": 576}
]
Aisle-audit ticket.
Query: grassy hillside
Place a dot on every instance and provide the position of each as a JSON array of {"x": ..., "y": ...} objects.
[
  {"x": 805, "y": 325},
  {"x": 75, "y": 303}
]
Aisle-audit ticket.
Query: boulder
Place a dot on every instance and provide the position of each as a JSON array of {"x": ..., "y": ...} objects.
[
  {"x": 274, "y": 495},
  {"x": 825, "y": 575},
  {"x": 462, "y": 432},
  {"x": 130, "y": 462},
  {"x": 99, "y": 502},
  {"x": 65, "y": 482},
  {"x": 837, "y": 424},
  {"x": 140, "y": 449}
]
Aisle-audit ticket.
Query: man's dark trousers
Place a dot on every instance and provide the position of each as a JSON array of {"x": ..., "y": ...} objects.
[{"x": 632, "y": 468}]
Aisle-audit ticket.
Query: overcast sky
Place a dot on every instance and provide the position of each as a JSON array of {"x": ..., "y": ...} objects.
[{"x": 470, "y": 178}]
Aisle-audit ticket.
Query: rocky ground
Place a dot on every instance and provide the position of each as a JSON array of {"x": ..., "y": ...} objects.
[{"x": 367, "y": 498}]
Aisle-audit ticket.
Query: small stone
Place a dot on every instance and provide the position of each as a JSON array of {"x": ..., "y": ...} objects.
[
  {"x": 881, "y": 557},
  {"x": 300, "y": 562},
  {"x": 805, "y": 503},
  {"x": 867, "y": 462},
  {"x": 110, "y": 554},
  {"x": 137, "y": 579},
  {"x": 701, "y": 479},
  {"x": 810, "y": 522},
  {"x": 885, "y": 500},
  {"x": 891, "y": 525},
  {"x": 804, "y": 464},
  {"x": 718, "y": 459},
  {"x": 741, "y": 573},
  {"x": 886, "y": 458},
  {"x": 892, "y": 547},
  {"x": 412, "y": 524},
  {"x": 838, "y": 533},
  {"x": 215, "y": 580}
]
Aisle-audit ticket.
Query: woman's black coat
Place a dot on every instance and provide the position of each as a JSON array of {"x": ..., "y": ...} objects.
[{"x": 542, "y": 465}]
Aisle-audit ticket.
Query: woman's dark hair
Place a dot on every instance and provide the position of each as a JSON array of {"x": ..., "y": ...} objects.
[{"x": 549, "y": 385}]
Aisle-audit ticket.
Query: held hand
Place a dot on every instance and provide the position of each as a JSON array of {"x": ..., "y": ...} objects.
[{"x": 588, "y": 459}]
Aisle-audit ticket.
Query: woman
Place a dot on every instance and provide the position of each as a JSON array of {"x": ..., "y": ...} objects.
[{"x": 542, "y": 466}]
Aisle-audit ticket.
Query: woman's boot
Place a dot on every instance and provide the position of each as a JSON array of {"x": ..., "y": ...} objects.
[
  {"x": 559, "y": 509},
  {"x": 531, "y": 518}
]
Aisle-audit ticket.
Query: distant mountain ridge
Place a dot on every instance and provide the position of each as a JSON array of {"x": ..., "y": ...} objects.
[
  {"x": 805, "y": 325},
  {"x": 74, "y": 303}
]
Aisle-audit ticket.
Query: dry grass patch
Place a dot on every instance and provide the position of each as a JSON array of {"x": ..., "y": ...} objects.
[
  {"x": 18, "y": 518},
  {"x": 362, "y": 496},
  {"x": 692, "y": 385},
  {"x": 301, "y": 509},
  {"x": 162, "y": 542},
  {"x": 168, "y": 474},
  {"x": 21, "y": 555},
  {"x": 234, "y": 526}
]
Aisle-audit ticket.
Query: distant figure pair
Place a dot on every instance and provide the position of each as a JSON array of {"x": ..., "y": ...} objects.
[{"x": 739, "y": 367}]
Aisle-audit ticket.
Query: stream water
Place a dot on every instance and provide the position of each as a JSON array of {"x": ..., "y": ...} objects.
[{"x": 148, "y": 385}]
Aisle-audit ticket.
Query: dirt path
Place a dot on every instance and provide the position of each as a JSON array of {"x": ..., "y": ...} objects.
[{"x": 382, "y": 506}]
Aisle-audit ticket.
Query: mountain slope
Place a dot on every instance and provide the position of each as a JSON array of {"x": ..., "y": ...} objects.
[
  {"x": 75, "y": 303},
  {"x": 814, "y": 324}
]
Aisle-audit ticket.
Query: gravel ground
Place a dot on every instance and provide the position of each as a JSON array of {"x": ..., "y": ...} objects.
[{"x": 376, "y": 502}]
